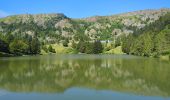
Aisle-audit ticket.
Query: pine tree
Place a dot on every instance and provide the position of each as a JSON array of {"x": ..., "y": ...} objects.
[
  {"x": 35, "y": 46},
  {"x": 97, "y": 47}
]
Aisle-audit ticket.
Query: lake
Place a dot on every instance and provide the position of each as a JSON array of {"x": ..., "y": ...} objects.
[{"x": 84, "y": 77}]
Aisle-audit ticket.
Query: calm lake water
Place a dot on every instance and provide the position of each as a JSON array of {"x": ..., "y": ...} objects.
[{"x": 84, "y": 77}]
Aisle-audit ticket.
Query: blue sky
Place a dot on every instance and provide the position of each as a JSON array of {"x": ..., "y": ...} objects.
[{"x": 78, "y": 8}]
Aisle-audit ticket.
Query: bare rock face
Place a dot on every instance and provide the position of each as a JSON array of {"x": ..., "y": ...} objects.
[
  {"x": 63, "y": 23},
  {"x": 58, "y": 25},
  {"x": 120, "y": 23}
]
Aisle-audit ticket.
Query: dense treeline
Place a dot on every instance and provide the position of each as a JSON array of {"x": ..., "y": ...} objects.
[
  {"x": 95, "y": 47},
  {"x": 29, "y": 45},
  {"x": 17, "y": 45},
  {"x": 153, "y": 40}
]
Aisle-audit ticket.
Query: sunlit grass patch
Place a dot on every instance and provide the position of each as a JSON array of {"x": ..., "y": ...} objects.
[{"x": 117, "y": 50}]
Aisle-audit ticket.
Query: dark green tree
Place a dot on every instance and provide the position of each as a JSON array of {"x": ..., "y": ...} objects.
[
  {"x": 4, "y": 47},
  {"x": 147, "y": 45},
  {"x": 45, "y": 48},
  {"x": 89, "y": 48},
  {"x": 127, "y": 44},
  {"x": 65, "y": 43},
  {"x": 35, "y": 46},
  {"x": 97, "y": 47},
  {"x": 18, "y": 47},
  {"x": 50, "y": 49},
  {"x": 81, "y": 46},
  {"x": 159, "y": 43}
]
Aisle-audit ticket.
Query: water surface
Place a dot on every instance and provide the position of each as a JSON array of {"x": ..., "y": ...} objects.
[{"x": 84, "y": 77}]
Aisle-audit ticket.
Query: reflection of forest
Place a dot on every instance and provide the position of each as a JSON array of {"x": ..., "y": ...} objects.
[{"x": 56, "y": 74}]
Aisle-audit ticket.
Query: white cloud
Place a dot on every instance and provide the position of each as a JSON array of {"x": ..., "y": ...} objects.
[{"x": 3, "y": 14}]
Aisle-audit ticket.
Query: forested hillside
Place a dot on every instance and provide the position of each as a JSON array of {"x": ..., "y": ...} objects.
[
  {"x": 142, "y": 33},
  {"x": 152, "y": 40}
]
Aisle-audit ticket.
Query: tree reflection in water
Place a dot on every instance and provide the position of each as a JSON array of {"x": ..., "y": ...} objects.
[{"x": 56, "y": 73}]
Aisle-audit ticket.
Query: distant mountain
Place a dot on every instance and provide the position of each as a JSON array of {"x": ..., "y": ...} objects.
[{"x": 57, "y": 27}]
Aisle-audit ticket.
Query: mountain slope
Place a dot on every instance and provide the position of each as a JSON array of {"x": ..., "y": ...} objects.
[
  {"x": 56, "y": 27},
  {"x": 27, "y": 34},
  {"x": 152, "y": 40}
]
